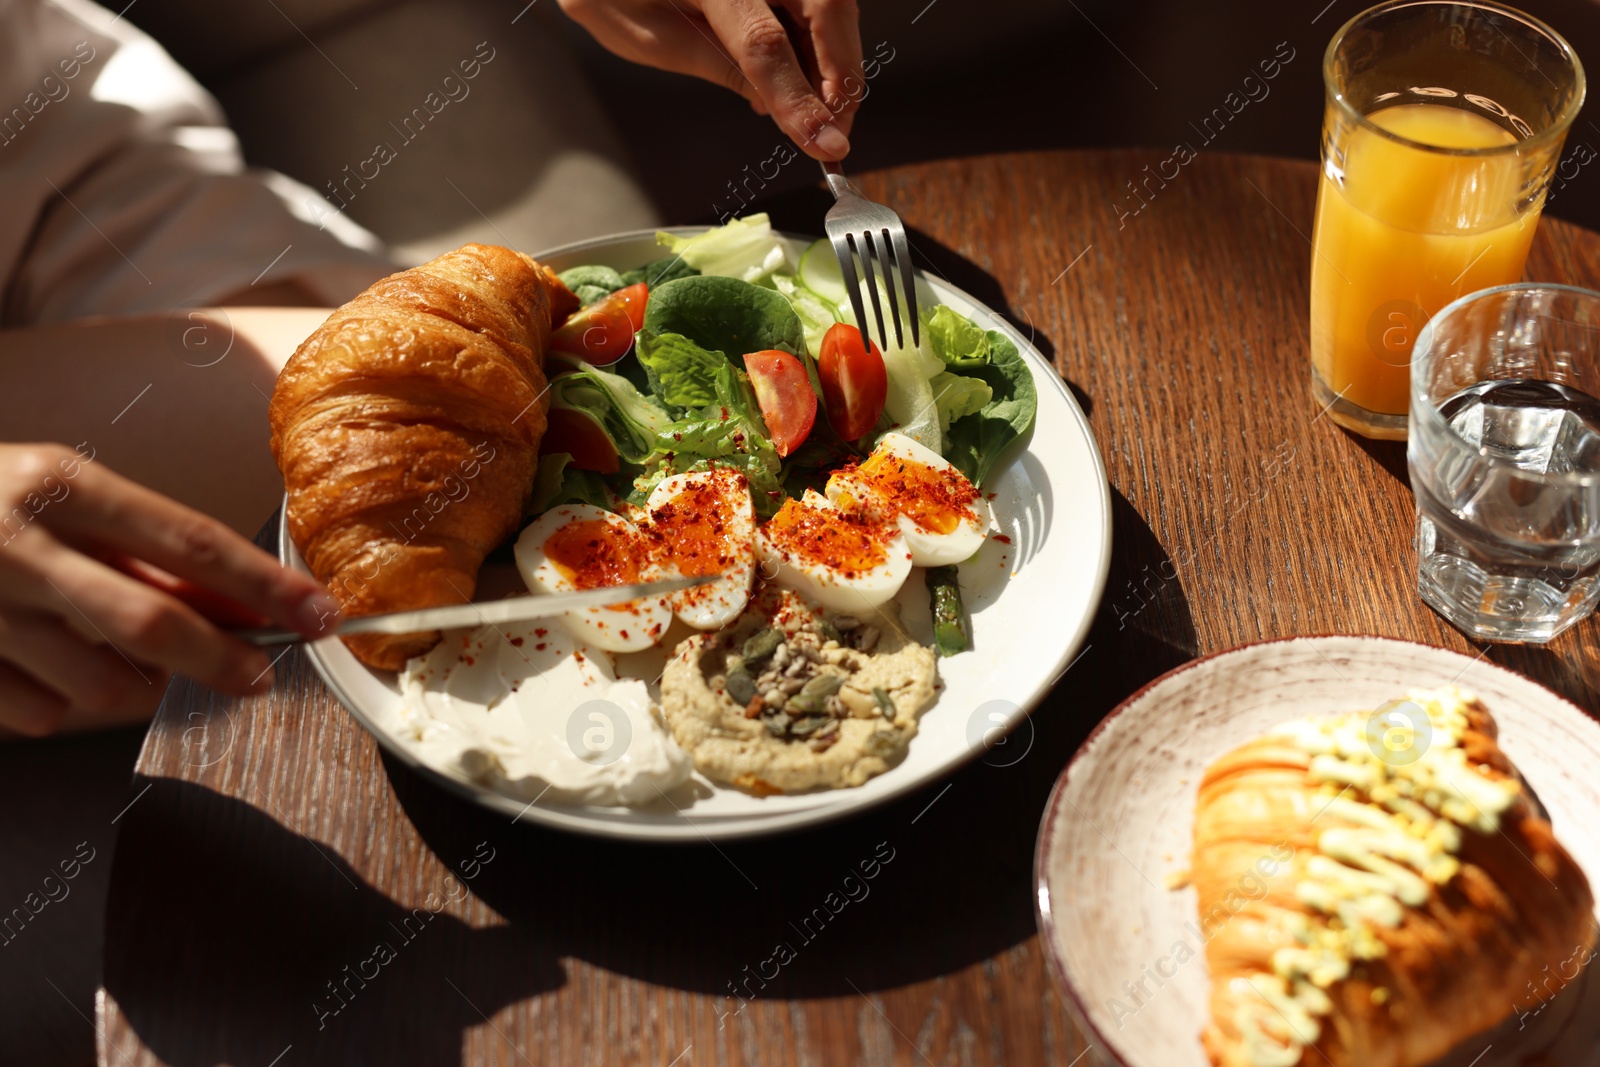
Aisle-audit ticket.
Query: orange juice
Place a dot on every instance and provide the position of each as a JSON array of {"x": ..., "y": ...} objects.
[{"x": 1407, "y": 231}]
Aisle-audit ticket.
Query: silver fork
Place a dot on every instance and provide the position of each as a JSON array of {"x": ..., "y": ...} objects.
[{"x": 864, "y": 228}]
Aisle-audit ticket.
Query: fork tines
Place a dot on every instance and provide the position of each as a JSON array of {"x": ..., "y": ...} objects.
[{"x": 886, "y": 244}]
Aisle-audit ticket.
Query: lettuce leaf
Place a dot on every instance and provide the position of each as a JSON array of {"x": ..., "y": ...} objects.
[
  {"x": 977, "y": 440},
  {"x": 909, "y": 403},
  {"x": 745, "y": 248},
  {"x": 956, "y": 395},
  {"x": 956, "y": 339},
  {"x": 630, "y": 418},
  {"x": 681, "y": 373}
]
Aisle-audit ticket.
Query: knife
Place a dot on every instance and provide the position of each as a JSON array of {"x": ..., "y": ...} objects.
[{"x": 514, "y": 609}]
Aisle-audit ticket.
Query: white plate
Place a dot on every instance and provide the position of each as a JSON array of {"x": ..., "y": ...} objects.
[
  {"x": 1031, "y": 603},
  {"x": 1121, "y": 819}
]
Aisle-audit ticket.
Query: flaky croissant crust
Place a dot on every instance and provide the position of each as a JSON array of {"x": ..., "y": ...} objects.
[
  {"x": 407, "y": 430},
  {"x": 1453, "y": 967}
]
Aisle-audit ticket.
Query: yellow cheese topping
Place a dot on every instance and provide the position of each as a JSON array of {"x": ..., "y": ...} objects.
[{"x": 1397, "y": 791}]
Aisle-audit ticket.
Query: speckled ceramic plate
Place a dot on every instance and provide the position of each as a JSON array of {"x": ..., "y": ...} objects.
[
  {"x": 1120, "y": 822},
  {"x": 1031, "y": 594}
]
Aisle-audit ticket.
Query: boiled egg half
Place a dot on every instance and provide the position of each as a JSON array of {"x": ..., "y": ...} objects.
[
  {"x": 941, "y": 514},
  {"x": 702, "y": 522},
  {"x": 844, "y": 560},
  {"x": 580, "y": 546}
]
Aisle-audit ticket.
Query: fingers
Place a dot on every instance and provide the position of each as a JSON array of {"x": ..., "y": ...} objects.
[
  {"x": 26, "y": 706},
  {"x": 756, "y": 41},
  {"x": 834, "y": 30},
  {"x": 110, "y": 511},
  {"x": 102, "y": 606},
  {"x": 668, "y": 37},
  {"x": 91, "y": 678}
]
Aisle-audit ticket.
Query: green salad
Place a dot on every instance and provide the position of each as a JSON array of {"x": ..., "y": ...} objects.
[{"x": 724, "y": 352}]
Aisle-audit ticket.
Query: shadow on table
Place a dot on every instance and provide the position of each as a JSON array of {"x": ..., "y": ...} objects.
[
  {"x": 919, "y": 888},
  {"x": 1390, "y": 455},
  {"x": 295, "y": 949}
]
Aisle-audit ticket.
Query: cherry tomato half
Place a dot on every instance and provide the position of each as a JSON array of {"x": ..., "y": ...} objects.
[
  {"x": 602, "y": 333},
  {"x": 854, "y": 382},
  {"x": 581, "y": 436},
  {"x": 788, "y": 406}
]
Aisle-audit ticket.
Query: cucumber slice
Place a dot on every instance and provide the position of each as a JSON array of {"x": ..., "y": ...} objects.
[
  {"x": 819, "y": 272},
  {"x": 816, "y": 314}
]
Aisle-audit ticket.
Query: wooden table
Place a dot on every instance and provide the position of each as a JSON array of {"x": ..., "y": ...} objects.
[{"x": 271, "y": 848}]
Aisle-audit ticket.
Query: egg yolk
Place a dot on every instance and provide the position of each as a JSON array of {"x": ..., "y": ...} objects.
[
  {"x": 592, "y": 553},
  {"x": 849, "y": 544},
  {"x": 936, "y": 499},
  {"x": 692, "y": 531}
]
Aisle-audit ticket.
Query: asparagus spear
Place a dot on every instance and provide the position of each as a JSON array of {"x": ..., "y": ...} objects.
[{"x": 949, "y": 622}]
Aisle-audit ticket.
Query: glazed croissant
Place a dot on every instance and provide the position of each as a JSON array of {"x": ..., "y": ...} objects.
[
  {"x": 1375, "y": 888},
  {"x": 407, "y": 429}
]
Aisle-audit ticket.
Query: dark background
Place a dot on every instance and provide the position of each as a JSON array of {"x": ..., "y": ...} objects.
[{"x": 967, "y": 77}]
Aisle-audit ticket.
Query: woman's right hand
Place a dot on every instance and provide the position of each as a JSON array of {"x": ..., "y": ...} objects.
[{"x": 80, "y": 636}]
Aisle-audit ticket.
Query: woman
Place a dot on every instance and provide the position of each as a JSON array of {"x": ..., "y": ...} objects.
[{"x": 125, "y": 195}]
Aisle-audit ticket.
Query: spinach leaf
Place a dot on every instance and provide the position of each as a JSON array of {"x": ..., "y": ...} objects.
[
  {"x": 976, "y": 441},
  {"x": 725, "y": 315},
  {"x": 659, "y": 272},
  {"x": 591, "y": 283},
  {"x": 558, "y": 482}
]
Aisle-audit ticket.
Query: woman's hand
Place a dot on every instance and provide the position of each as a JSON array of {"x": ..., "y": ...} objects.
[
  {"x": 80, "y": 634},
  {"x": 742, "y": 45}
]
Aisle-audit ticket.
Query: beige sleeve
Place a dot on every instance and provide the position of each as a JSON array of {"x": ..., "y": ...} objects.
[{"x": 125, "y": 191}]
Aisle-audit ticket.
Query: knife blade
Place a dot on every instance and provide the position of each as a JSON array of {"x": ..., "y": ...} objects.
[{"x": 513, "y": 609}]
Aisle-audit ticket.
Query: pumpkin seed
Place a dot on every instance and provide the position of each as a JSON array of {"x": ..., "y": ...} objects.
[
  {"x": 884, "y": 703},
  {"x": 761, "y": 644},
  {"x": 740, "y": 686},
  {"x": 808, "y": 725},
  {"x": 823, "y": 685}
]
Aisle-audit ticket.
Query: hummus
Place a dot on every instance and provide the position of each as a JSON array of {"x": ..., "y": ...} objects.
[{"x": 787, "y": 700}]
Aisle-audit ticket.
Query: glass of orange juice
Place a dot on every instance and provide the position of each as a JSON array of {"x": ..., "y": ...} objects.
[{"x": 1443, "y": 125}]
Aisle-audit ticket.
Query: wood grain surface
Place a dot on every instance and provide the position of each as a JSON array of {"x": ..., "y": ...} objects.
[{"x": 283, "y": 895}]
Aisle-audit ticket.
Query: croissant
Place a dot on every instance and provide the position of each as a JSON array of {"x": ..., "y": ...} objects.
[
  {"x": 407, "y": 430},
  {"x": 1377, "y": 887}
]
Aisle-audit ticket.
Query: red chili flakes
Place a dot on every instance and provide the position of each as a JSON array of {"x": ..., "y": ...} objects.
[
  {"x": 593, "y": 553},
  {"x": 935, "y": 498},
  {"x": 539, "y": 647},
  {"x": 851, "y": 544},
  {"x": 516, "y": 642},
  {"x": 540, "y": 631},
  {"x": 1002, "y": 538}
]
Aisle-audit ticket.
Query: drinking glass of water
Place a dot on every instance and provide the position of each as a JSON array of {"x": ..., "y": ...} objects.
[{"x": 1504, "y": 451}]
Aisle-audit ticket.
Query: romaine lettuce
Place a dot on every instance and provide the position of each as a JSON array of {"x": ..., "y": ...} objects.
[
  {"x": 632, "y": 419},
  {"x": 956, "y": 395},
  {"x": 681, "y": 373},
  {"x": 745, "y": 248},
  {"x": 956, "y": 339}
]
